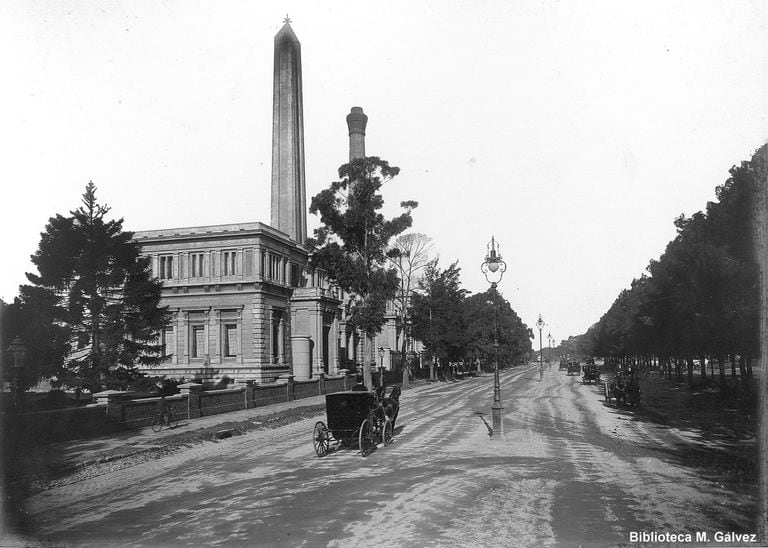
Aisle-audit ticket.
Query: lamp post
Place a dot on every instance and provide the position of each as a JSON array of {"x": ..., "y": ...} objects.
[
  {"x": 493, "y": 268},
  {"x": 540, "y": 324},
  {"x": 381, "y": 366},
  {"x": 18, "y": 350},
  {"x": 408, "y": 346},
  {"x": 549, "y": 354}
]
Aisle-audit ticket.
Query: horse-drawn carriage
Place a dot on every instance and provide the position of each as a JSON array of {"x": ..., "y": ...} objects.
[
  {"x": 573, "y": 368},
  {"x": 624, "y": 390},
  {"x": 591, "y": 373},
  {"x": 362, "y": 416}
]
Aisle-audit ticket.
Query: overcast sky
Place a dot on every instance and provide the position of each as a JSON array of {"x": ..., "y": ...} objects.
[{"x": 574, "y": 132}]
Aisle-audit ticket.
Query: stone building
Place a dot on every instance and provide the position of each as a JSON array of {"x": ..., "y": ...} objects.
[{"x": 244, "y": 304}]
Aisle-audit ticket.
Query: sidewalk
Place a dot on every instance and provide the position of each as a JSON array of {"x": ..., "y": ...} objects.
[
  {"x": 72, "y": 455},
  {"x": 75, "y": 454}
]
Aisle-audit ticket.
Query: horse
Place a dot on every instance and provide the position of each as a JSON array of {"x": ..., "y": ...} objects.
[
  {"x": 617, "y": 389},
  {"x": 391, "y": 404}
]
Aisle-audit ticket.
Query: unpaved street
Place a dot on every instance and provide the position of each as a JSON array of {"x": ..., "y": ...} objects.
[{"x": 569, "y": 470}]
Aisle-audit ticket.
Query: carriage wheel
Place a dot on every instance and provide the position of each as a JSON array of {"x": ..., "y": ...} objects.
[
  {"x": 320, "y": 439},
  {"x": 365, "y": 439},
  {"x": 387, "y": 432}
]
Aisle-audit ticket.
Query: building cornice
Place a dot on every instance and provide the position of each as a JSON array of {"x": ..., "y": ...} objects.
[{"x": 214, "y": 232}]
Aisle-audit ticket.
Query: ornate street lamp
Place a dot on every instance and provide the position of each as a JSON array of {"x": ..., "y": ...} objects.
[
  {"x": 493, "y": 268},
  {"x": 18, "y": 350},
  {"x": 549, "y": 354},
  {"x": 540, "y": 324}
]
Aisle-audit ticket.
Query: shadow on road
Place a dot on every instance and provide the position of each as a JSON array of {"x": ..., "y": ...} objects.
[{"x": 717, "y": 437}]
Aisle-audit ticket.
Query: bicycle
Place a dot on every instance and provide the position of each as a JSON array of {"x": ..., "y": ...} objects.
[{"x": 158, "y": 422}]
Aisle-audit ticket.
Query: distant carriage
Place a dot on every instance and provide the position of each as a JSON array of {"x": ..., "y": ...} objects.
[
  {"x": 623, "y": 391},
  {"x": 357, "y": 416},
  {"x": 573, "y": 368},
  {"x": 591, "y": 373}
]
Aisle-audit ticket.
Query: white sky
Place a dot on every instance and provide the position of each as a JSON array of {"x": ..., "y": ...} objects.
[{"x": 575, "y": 132}]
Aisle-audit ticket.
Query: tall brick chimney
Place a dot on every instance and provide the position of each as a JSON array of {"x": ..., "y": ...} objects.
[{"x": 356, "y": 122}]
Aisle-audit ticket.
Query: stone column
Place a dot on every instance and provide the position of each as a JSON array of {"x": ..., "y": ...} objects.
[
  {"x": 259, "y": 263},
  {"x": 300, "y": 350},
  {"x": 113, "y": 400},
  {"x": 192, "y": 392},
  {"x": 316, "y": 332},
  {"x": 218, "y": 356}
]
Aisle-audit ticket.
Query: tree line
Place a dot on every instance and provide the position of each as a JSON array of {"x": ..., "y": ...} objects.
[
  {"x": 454, "y": 326},
  {"x": 699, "y": 303}
]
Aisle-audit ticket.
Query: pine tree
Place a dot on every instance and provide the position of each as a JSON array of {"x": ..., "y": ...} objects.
[{"x": 99, "y": 296}]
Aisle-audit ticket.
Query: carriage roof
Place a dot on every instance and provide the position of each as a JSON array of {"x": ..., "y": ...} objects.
[{"x": 346, "y": 410}]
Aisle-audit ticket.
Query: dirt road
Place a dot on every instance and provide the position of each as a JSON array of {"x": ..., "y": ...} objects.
[{"x": 569, "y": 470}]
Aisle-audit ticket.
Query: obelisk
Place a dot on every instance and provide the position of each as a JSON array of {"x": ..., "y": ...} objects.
[{"x": 289, "y": 201}]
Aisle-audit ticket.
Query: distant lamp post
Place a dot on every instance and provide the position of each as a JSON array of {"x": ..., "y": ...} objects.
[
  {"x": 406, "y": 381},
  {"x": 549, "y": 354},
  {"x": 540, "y": 324},
  {"x": 18, "y": 351},
  {"x": 493, "y": 268},
  {"x": 381, "y": 366}
]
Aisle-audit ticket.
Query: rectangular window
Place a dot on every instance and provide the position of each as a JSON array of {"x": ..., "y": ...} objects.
[
  {"x": 196, "y": 265},
  {"x": 276, "y": 338},
  {"x": 167, "y": 343},
  {"x": 230, "y": 341},
  {"x": 275, "y": 268},
  {"x": 166, "y": 267},
  {"x": 198, "y": 341},
  {"x": 228, "y": 260}
]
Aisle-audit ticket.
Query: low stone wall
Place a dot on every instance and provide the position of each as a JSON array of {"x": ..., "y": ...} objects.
[
  {"x": 214, "y": 402},
  {"x": 115, "y": 410},
  {"x": 267, "y": 394},
  {"x": 306, "y": 389},
  {"x": 139, "y": 413}
]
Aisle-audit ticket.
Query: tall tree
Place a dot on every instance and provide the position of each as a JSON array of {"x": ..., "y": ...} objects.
[
  {"x": 409, "y": 255},
  {"x": 438, "y": 312},
  {"x": 98, "y": 293},
  {"x": 488, "y": 313},
  {"x": 353, "y": 242}
]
